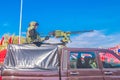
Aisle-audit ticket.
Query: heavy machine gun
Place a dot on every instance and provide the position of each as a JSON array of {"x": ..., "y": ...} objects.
[{"x": 66, "y": 35}]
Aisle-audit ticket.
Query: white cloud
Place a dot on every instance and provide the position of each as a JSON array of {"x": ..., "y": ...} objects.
[
  {"x": 5, "y": 24},
  {"x": 94, "y": 39}
]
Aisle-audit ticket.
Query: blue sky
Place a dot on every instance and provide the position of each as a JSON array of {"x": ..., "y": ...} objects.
[{"x": 67, "y": 15}]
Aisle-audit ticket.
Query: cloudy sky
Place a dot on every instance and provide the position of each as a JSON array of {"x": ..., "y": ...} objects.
[{"x": 103, "y": 16}]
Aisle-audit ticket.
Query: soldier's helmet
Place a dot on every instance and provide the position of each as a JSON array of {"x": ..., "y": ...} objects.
[{"x": 33, "y": 23}]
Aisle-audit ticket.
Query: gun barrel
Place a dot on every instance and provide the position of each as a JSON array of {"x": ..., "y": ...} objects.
[{"x": 78, "y": 32}]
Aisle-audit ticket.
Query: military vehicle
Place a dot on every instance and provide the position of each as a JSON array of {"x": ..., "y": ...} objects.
[{"x": 57, "y": 62}]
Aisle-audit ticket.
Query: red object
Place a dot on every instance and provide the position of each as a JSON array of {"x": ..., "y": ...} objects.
[
  {"x": 2, "y": 55},
  {"x": 1, "y": 42},
  {"x": 0, "y": 78},
  {"x": 10, "y": 40},
  {"x": 102, "y": 58}
]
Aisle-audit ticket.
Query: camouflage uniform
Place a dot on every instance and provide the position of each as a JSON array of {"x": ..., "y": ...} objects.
[{"x": 32, "y": 34}]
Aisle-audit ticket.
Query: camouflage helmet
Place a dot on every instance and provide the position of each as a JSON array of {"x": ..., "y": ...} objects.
[{"x": 33, "y": 23}]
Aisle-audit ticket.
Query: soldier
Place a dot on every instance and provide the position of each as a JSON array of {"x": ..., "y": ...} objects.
[{"x": 32, "y": 34}]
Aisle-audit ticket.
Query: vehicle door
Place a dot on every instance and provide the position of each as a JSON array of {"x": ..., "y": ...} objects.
[
  {"x": 83, "y": 65},
  {"x": 111, "y": 65}
]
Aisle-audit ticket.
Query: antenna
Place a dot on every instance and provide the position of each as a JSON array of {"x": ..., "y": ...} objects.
[{"x": 20, "y": 25}]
